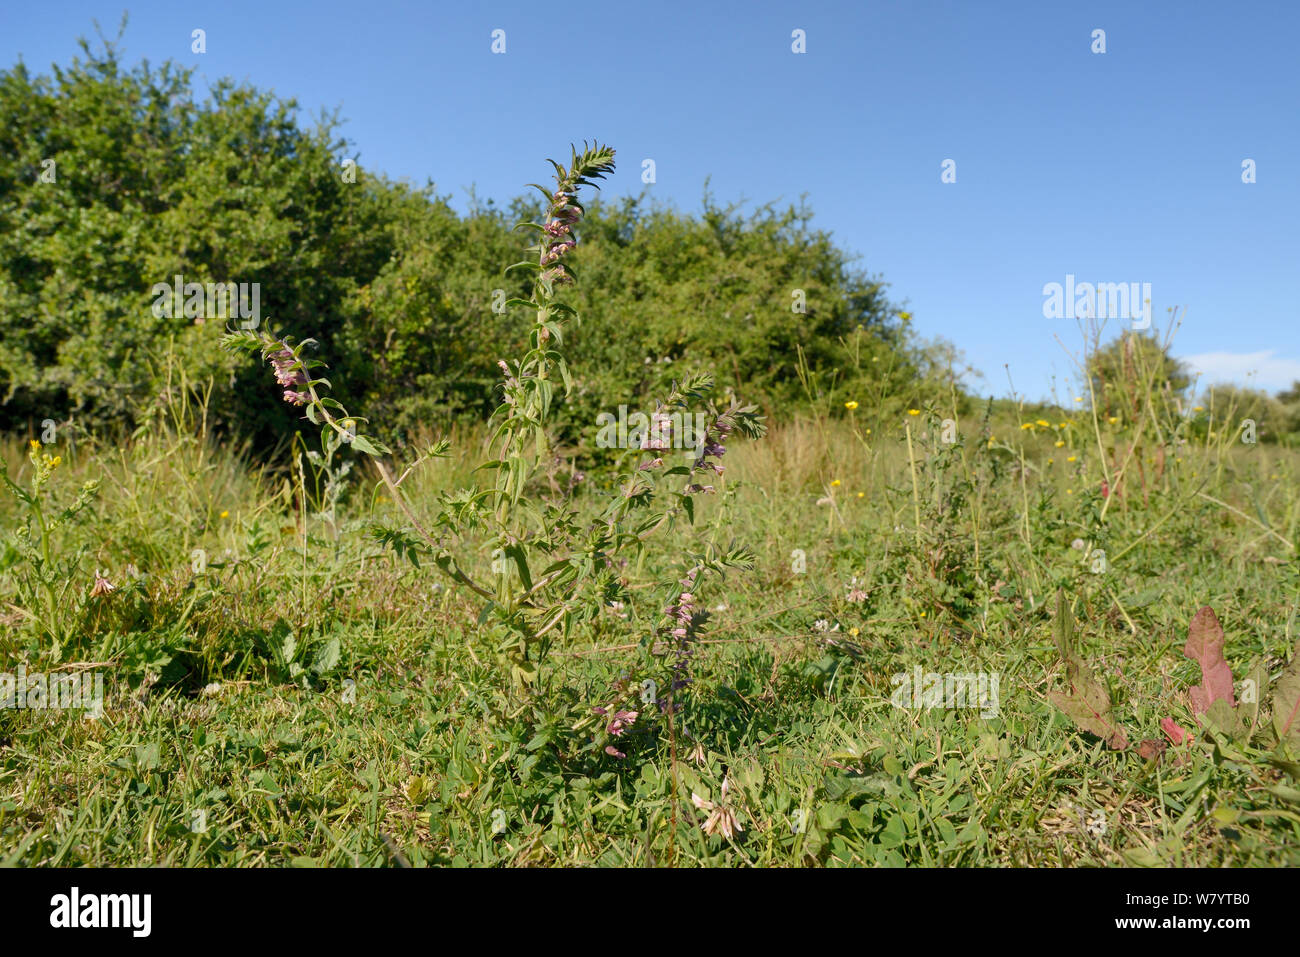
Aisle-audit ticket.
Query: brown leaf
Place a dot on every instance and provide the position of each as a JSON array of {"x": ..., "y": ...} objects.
[
  {"x": 1151, "y": 748},
  {"x": 1205, "y": 647}
]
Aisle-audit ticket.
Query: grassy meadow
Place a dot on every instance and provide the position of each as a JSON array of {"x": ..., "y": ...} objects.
[{"x": 281, "y": 689}]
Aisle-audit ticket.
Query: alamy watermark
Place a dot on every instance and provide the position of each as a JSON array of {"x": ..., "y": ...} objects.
[
  {"x": 1103, "y": 300},
  {"x": 40, "y": 691},
  {"x": 213, "y": 300},
  {"x": 657, "y": 432},
  {"x": 952, "y": 690}
]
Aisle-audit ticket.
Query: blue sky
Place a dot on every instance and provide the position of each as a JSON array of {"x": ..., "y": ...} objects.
[{"x": 1123, "y": 166}]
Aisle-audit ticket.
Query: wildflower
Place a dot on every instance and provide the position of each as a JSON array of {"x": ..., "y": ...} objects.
[
  {"x": 1113, "y": 419},
  {"x": 614, "y": 752},
  {"x": 1078, "y": 398},
  {"x": 861, "y": 494},
  {"x": 1072, "y": 458},
  {"x": 913, "y": 411},
  {"x": 1077, "y": 544},
  {"x": 36, "y": 445},
  {"x": 1199, "y": 408},
  {"x": 225, "y": 514},
  {"x": 1043, "y": 423},
  {"x": 905, "y": 316},
  {"x": 850, "y": 405},
  {"x": 853, "y": 632},
  {"x": 622, "y": 722},
  {"x": 290, "y": 375},
  {"x": 102, "y": 586},
  {"x": 821, "y": 624},
  {"x": 857, "y": 596},
  {"x": 1060, "y": 444},
  {"x": 721, "y": 817},
  {"x": 1069, "y": 491},
  {"x": 1026, "y": 425},
  {"x": 835, "y": 483}
]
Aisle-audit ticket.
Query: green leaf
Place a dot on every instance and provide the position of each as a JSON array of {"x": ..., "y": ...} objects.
[
  {"x": 1286, "y": 702},
  {"x": 327, "y": 657}
]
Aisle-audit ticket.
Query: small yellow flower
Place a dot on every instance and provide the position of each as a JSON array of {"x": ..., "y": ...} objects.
[
  {"x": 850, "y": 405},
  {"x": 1072, "y": 458},
  {"x": 1051, "y": 461},
  {"x": 35, "y": 445},
  {"x": 1113, "y": 420},
  {"x": 1063, "y": 425},
  {"x": 875, "y": 358},
  {"x": 922, "y": 614},
  {"x": 868, "y": 431},
  {"x": 225, "y": 514},
  {"x": 1078, "y": 398},
  {"x": 1069, "y": 491},
  {"x": 905, "y": 316},
  {"x": 835, "y": 483},
  {"x": 1043, "y": 423},
  {"x": 853, "y": 632},
  {"x": 913, "y": 411},
  {"x": 1060, "y": 444},
  {"x": 1199, "y": 408},
  {"x": 860, "y": 494},
  {"x": 1026, "y": 425}
]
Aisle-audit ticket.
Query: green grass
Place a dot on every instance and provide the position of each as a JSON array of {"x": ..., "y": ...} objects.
[{"x": 384, "y": 734}]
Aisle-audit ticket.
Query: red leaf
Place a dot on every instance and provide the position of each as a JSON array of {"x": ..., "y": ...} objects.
[
  {"x": 1205, "y": 646},
  {"x": 1175, "y": 733}
]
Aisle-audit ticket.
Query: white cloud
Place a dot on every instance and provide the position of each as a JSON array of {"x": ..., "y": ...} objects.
[{"x": 1271, "y": 372}]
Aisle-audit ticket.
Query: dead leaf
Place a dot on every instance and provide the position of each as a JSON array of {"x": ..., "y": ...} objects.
[{"x": 1151, "y": 748}]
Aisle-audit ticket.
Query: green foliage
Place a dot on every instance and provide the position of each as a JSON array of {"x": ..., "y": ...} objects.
[{"x": 404, "y": 294}]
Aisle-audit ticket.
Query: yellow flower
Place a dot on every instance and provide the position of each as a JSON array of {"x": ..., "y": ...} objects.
[
  {"x": 1072, "y": 458},
  {"x": 835, "y": 483},
  {"x": 225, "y": 514},
  {"x": 853, "y": 632},
  {"x": 850, "y": 405},
  {"x": 905, "y": 316},
  {"x": 913, "y": 411},
  {"x": 1069, "y": 491},
  {"x": 1026, "y": 425},
  {"x": 860, "y": 494},
  {"x": 35, "y": 445},
  {"x": 1113, "y": 420},
  {"x": 1051, "y": 461},
  {"x": 1199, "y": 408},
  {"x": 1063, "y": 425},
  {"x": 922, "y": 614},
  {"x": 1059, "y": 444},
  {"x": 1078, "y": 398},
  {"x": 57, "y": 461},
  {"x": 1043, "y": 423}
]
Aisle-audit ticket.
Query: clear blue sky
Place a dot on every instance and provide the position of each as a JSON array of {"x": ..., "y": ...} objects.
[{"x": 1115, "y": 167}]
